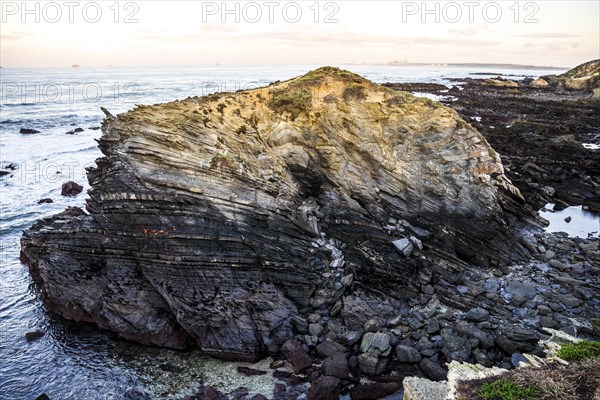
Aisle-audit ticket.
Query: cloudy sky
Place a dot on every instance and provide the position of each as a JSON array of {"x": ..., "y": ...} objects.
[{"x": 58, "y": 34}]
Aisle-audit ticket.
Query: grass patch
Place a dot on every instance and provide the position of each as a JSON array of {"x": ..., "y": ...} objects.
[
  {"x": 579, "y": 351},
  {"x": 354, "y": 92},
  {"x": 576, "y": 381},
  {"x": 291, "y": 101},
  {"x": 316, "y": 77},
  {"x": 506, "y": 390}
]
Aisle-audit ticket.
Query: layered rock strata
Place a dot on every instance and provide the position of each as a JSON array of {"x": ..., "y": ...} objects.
[{"x": 224, "y": 221}]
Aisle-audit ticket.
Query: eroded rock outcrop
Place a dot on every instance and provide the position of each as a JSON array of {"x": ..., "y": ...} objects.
[{"x": 223, "y": 221}]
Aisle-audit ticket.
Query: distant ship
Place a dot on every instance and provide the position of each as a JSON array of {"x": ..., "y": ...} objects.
[{"x": 75, "y": 66}]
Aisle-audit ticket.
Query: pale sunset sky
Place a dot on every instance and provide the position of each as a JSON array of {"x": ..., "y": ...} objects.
[{"x": 546, "y": 33}]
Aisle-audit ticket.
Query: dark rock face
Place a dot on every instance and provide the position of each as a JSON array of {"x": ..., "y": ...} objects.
[
  {"x": 224, "y": 221},
  {"x": 71, "y": 189}
]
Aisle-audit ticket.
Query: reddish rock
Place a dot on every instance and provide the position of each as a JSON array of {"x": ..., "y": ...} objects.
[
  {"x": 71, "y": 189},
  {"x": 295, "y": 354},
  {"x": 325, "y": 388}
]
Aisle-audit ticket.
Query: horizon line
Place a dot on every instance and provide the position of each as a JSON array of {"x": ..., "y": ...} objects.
[{"x": 386, "y": 64}]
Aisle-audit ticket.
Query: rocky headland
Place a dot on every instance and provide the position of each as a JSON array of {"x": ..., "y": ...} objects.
[{"x": 354, "y": 233}]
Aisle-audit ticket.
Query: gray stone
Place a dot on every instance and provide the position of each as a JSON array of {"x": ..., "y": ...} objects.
[
  {"x": 471, "y": 331},
  {"x": 558, "y": 265},
  {"x": 416, "y": 242},
  {"x": 524, "y": 290},
  {"x": 457, "y": 348},
  {"x": 315, "y": 329},
  {"x": 328, "y": 348},
  {"x": 336, "y": 365},
  {"x": 477, "y": 315},
  {"x": 371, "y": 363},
  {"x": 407, "y": 354},
  {"x": 404, "y": 246},
  {"x": 433, "y": 326},
  {"x": 351, "y": 337},
  {"x": 427, "y": 289},
  {"x": 378, "y": 343},
  {"x": 347, "y": 280},
  {"x": 570, "y": 301},
  {"x": 372, "y": 325},
  {"x": 433, "y": 370},
  {"x": 517, "y": 359}
]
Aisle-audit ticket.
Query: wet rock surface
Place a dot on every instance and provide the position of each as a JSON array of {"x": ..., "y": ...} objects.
[{"x": 290, "y": 239}]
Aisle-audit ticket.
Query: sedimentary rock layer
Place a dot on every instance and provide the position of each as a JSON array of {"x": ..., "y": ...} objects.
[{"x": 220, "y": 221}]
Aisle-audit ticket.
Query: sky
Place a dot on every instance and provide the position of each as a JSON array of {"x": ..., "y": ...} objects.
[{"x": 136, "y": 33}]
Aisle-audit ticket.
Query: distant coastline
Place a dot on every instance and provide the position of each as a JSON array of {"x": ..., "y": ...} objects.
[{"x": 472, "y": 65}]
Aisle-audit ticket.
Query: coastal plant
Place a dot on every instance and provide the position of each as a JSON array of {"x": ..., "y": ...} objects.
[
  {"x": 507, "y": 390},
  {"x": 579, "y": 351},
  {"x": 354, "y": 92},
  {"x": 291, "y": 101}
]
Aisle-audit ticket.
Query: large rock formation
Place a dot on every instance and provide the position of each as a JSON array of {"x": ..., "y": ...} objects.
[
  {"x": 223, "y": 221},
  {"x": 584, "y": 77}
]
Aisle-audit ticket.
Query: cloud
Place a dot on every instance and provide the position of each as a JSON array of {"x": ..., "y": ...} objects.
[
  {"x": 474, "y": 31},
  {"x": 14, "y": 35},
  {"x": 552, "y": 47},
  {"x": 436, "y": 41},
  {"x": 219, "y": 28},
  {"x": 548, "y": 35}
]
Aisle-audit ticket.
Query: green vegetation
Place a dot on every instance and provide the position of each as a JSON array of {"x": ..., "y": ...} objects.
[
  {"x": 316, "y": 77},
  {"x": 221, "y": 107},
  {"x": 579, "y": 351},
  {"x": 354, "y": 92},
  {"x": 506, "y": 390},
  {"x": 291, "y": 101}
]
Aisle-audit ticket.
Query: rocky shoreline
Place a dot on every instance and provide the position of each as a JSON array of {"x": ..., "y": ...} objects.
[{"x": 356, "y": 234}]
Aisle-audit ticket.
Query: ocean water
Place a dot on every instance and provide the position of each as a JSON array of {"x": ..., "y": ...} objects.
[{"x": 78, "y": 361}]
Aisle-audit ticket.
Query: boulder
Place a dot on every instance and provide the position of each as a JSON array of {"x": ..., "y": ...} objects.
[
  {"x": 372, "y": 364},
  {"x": 336, "y": 365},
  {"x": 325, "y": 388},
  {"x": 539, "y": 83},
  {"x": 433, "y": 370},
  {"x": 71, "y": 189},
  {"x": 378, "y": 343},
  {"x": 407, "y": 354},
  {"x": 477, "y": 315},
  {"x": 404, "y": 246},
  {"x": 295, "y": 354}
]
